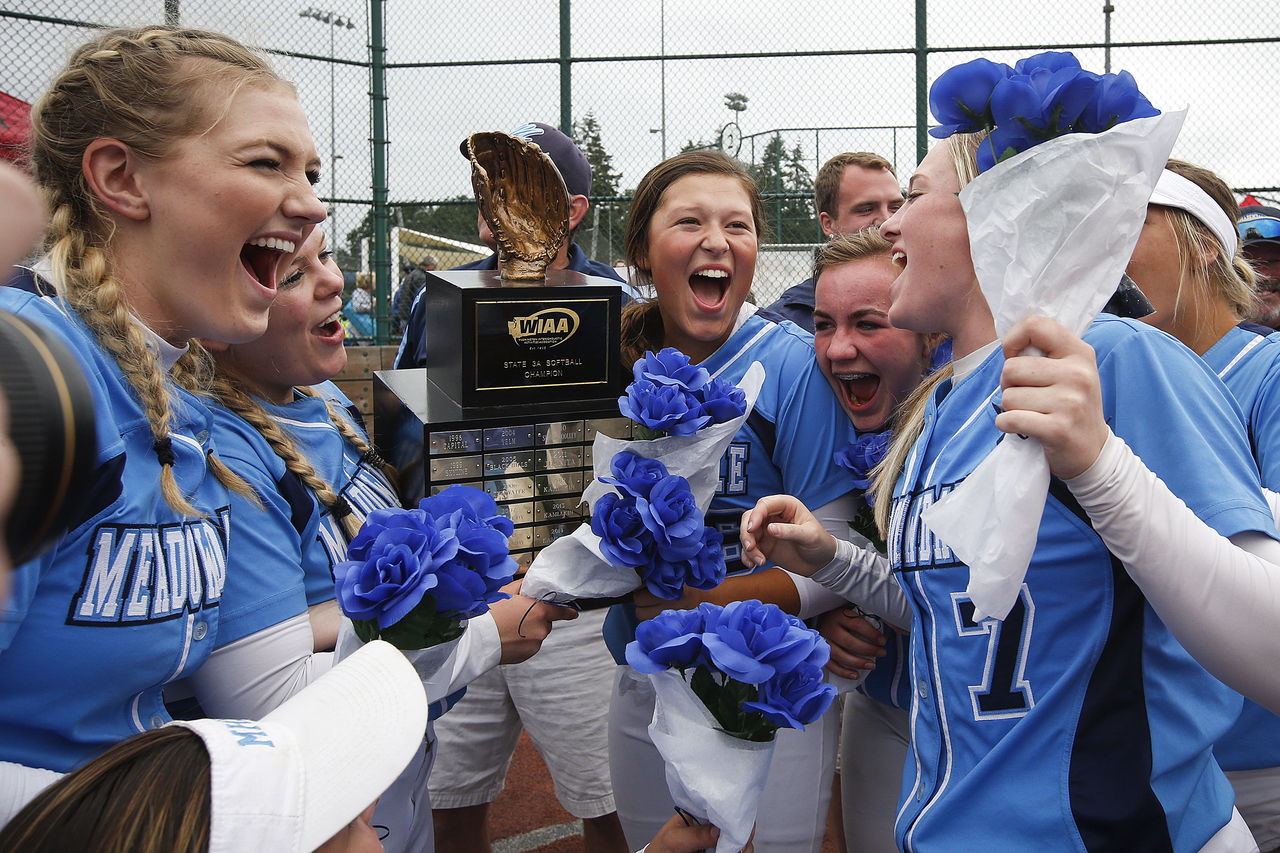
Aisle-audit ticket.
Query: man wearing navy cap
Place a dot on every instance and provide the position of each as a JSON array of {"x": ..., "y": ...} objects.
[
  {"x": 562, "y": 699},
  {"x": 576, "y": 172},
  {"x": 1259, "y": 229}
]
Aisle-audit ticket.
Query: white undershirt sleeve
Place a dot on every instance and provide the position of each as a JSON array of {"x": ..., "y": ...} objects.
[
  {"x": 1220, "y": 597},
  {"x": 249, "y": 678},
  {"x": 861, "y": 575}
]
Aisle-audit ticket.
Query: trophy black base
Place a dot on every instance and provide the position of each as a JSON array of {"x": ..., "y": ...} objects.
[{"x": 534, "y": 459}]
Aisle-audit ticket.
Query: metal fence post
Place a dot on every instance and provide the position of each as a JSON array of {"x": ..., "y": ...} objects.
[
  {"x": 566, "y": 69},
  {"x": 922, "y": 80},
  {"x": 382, "y": 269}
]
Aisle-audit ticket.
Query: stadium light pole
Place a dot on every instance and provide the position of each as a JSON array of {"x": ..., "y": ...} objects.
[{"x": 334, "y": 21}]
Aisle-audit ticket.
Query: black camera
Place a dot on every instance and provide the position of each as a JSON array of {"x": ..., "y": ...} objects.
[{"x": 51, "y": 425}]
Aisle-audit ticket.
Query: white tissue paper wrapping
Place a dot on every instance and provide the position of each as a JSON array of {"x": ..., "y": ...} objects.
[
  {"x": 1051, "y": 231},
  {"x": 711, "y": 775},
  {"x": 429, "y": 662},
  {"x": 572, "y": 566}
]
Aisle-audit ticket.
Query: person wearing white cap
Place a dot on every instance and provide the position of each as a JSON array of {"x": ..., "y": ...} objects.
[
  {"x": 1189, "y": 264},
  {"x": 302, "y": 778}
]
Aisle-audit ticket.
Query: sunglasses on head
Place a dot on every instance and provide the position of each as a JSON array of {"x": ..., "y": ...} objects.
[{"x": 1259, "y": 229}]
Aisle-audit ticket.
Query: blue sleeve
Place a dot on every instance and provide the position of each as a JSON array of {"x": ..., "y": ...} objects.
[
  {"x": 265, "y": 583},
  {"x": 413, "y": 346},
  {"x": 1266, "y": 430},
  {"x": 108, "y": 443},
  {"x": 811, "y": 427},
  {"x": 1180, "y": 420}
]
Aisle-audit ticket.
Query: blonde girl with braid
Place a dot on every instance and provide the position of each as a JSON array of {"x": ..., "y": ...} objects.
[
  {"x": 286, "y": 429},
  {"x": 177, "y": 169}
]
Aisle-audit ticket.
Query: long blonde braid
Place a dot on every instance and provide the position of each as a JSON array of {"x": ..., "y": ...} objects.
[{"x": 139, "y": 86}]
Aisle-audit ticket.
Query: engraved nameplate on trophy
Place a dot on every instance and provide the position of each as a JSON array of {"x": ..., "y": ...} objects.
[
  {"x": 455, "y": 468},
  {"x": 559, "y": 432},
  {"x": 509, "y": 463},
  {"x": 558, "y": 509},
  {"x": 612, "y": 427},
  {"x": 508, "y": 437},
  {"x": 555, "y": 458},
  {"x": 510, "y": 489},
  {"x": 545, "y": 534},
  {"x": 519, "y": 513},
  {"x": 520, "y": 539},
  {"x": 564, "y": 483},
  {"x": 455, "y": 441}
]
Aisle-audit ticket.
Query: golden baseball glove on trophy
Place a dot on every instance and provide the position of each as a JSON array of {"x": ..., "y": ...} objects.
[{"x": 523, "y": 199}]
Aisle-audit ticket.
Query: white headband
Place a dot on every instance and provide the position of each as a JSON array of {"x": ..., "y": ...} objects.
[{"x": 1173, "y": 190}]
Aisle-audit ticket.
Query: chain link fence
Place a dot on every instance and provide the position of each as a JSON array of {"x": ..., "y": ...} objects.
[{"x": 393, "y": 86}]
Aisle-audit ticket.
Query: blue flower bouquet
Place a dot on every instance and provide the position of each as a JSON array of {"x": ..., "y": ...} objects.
[
  {"x": 1069, "y": 163},
  {"x": 649, "y": 496},
  {"x": 414, "y": 576},
  {"x": 726, "y": 679}
]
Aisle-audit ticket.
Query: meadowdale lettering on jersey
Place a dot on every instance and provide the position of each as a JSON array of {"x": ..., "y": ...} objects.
[
  {"x": 150, "y": 573},
  {"x": 912, "y": 545}
]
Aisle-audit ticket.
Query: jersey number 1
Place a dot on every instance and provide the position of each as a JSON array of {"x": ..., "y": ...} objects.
[{"x": 1004, "y": 692}]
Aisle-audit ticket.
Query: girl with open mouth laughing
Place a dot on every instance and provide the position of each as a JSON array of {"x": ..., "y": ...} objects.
[
  {"x": 1080, "y": 706},
  {"x": 177, "y": 168},
  {"x": 291, "y": 433},
  {"x": 694, "y": 233}
]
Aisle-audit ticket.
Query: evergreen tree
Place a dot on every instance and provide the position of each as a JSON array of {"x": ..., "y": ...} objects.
[
  {"x": 603, "y": 232},
  {"x": 800, "y": 225}
]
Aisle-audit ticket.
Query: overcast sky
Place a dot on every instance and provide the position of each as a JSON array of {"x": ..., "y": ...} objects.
[{"x": 1233, "y": 125}]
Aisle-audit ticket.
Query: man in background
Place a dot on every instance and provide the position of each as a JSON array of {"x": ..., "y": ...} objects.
[{"x": 854, "y": 190}]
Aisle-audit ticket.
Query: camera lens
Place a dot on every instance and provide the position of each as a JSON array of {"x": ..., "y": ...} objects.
[{"x": 51, "y": 425}]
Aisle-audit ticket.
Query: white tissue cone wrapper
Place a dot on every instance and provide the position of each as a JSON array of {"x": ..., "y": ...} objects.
[
  {"x": 710, "y": 774},
  {"x": 429, "y": 662},
  {"x": 1051, "y": 231},
  {"x": 573, "y": 566}
]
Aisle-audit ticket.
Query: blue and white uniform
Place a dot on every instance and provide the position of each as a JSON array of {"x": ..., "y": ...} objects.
[
  {"x": 285, "y": 558},
  {"x": 1247, "y": 360},
  {"x": 785, "y": 446},
  {"x": 1078, "y": 723},
  {"x": 129, "y": 598}
]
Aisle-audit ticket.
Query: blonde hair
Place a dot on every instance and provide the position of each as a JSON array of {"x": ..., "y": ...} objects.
[
  {"x": 963, "y": 148},
  {"x": 232, "y": 393},
  {"x": 1229, "y": 278},
  {"x": 141, "y": 87}
]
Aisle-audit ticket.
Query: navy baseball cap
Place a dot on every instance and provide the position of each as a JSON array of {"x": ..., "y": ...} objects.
[
  {"x": 1259, "y": 224},
  {"x": 570, "y": 161}
]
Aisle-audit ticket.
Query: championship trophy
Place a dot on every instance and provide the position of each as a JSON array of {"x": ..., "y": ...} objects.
[{"x": 522, "y": 365}]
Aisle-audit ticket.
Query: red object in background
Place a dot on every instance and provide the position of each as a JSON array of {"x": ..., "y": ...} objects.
[
  {"x": 15, "y": 127},
  {"x": 1250, "y": 201}
]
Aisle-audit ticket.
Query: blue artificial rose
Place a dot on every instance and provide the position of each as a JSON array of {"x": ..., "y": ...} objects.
[
  {"x": 673, "y": 638},
  {"x": 399, "y": 562},
  {"x": 1002, "y": 143},
  {"x": 459, "y": 592},
  {"x": 624, "y": 538},
  {"x": 665, "y": 579},
  {"x": 863, "y": 454},
  {"x": 794, "y": 699},
  {"x": 960, "y": 97},
  {"x": 380, "y": 520},
  {"x": 1116, "y": 100},
  {"x": 751, "y": 642},
  {"x": 1050, "y": 60},
  {"x": 671, "y": 514},
  {"x": 482, "y": 550},
  {"x": 476, "y": 504},
  {"x": 706, "y": 569},
  {"x": 721, "y": 401},
  {"x": 661, "y": 408},
  {"x": 633, "y": 474},
  {"x": 670, "y": 367}
]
